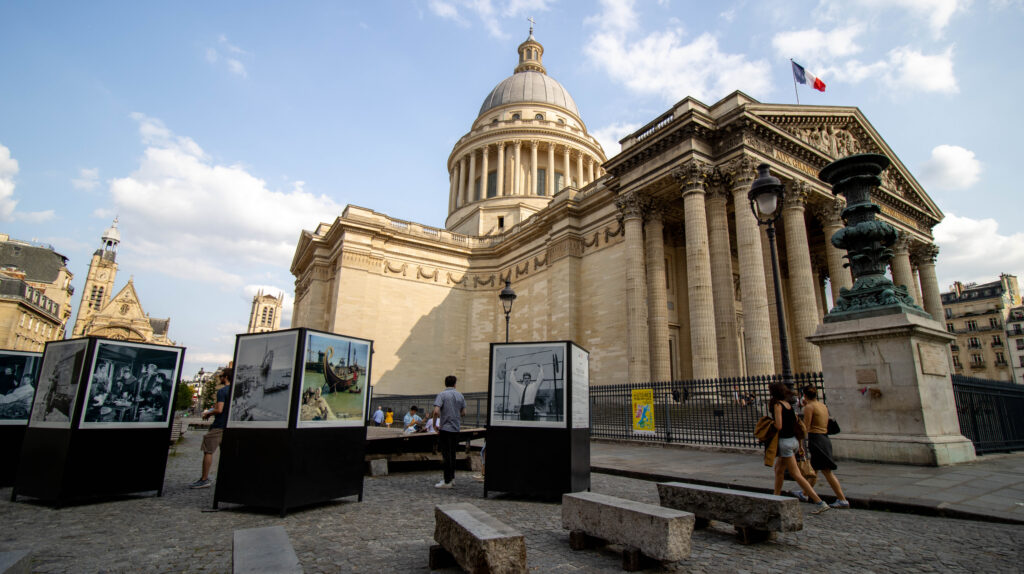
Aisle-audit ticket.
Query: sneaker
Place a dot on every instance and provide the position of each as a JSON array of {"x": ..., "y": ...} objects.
[
  {"x": 800, "y": 496},
  {"x": 478, "y": 477},
  {"x": 201, "y": 483},
  {"x": 844, "y": 504},
  {"x": 821, "y": 507},
  {"x": 444, "y": 484}
]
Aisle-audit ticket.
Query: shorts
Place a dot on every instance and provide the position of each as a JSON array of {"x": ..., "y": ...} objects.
[
  {"x": 788, "y": 447},
  {"x": 212, "y": 440}
]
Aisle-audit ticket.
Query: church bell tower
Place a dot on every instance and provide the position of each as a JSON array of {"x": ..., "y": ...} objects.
[{"x": 99, "y": 283}]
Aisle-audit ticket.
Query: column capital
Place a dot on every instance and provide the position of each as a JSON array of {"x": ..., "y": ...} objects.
[
  {"x": 740, "y": 173},
  {"x": 902, "y": 244},
  {"x": 501, "y": 146},
  {"x": 631, "y": 205},
  {"x": 655, "y": 210},
  {"x": 926, "y": 253},
  {"x": 796, "y": 195},
  {"x": 534, "y": 144},
  {"x": 517, "y": 143},
  {"x": 692, "y": 175},
  {"x": 829, "y": 213}
]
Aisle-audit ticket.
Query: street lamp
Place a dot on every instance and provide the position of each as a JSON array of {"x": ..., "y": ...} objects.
[
  {"x": 507, "y": 296},
  {"x": 765, "y": 196}
]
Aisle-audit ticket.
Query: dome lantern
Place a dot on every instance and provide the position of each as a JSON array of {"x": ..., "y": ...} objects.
[{"x": 530, "y": 55}]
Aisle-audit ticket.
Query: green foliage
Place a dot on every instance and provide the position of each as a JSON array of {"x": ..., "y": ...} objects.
[
  {"x": 183, "y": 399},
  {"x": 209, "y": 396}
]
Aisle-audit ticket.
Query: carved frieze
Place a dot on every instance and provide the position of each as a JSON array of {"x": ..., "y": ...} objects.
[
  {"x": 478, "y": 282},
  {"x": 388, "y": 268},
  {"x": 522, "y": 269},
  {"x": 422, "y": 274},
  {"x": 453, "y": 281},
  {"x": 565, "y": 247},
  {"x": 538, "y": 262}
]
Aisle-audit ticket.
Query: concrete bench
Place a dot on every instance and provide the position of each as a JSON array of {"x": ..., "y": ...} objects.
[
  {"x": 476, "y": 541},
  {"x": 646, "y": 530},
  {"x": 264, "y": 551},
  {"x": 15, "y": 562},
  {"x": 755, "y": 516}
]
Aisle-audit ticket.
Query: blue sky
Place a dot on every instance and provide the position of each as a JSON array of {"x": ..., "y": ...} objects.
[{"x": 218, "y": 131}]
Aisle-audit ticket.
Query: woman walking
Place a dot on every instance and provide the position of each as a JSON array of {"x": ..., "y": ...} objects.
[
  {"x": 785, "y": 424},
  {"x": 819, "y": 445}
]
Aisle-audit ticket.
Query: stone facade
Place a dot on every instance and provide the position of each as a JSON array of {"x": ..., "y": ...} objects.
[
  {"x": 1015, "y": 342},
  {"x": 653, "y": 262},
  {"x": 266, "y": 313},
  {"x": 115, "y": 316},
  {"x": 35, "y": 295},
  {"x": 978, "y": 315}
]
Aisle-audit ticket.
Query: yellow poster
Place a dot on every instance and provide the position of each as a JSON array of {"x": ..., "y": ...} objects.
[{"x": 643, "y": 411}]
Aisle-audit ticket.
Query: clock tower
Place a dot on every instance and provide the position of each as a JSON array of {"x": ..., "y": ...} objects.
[{"x": 99, "y": 283}]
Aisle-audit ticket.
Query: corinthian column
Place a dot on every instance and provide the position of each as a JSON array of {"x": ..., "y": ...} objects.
[
  {"x": 471, "y": 191},
  {"x": 500, "y": 191},
  {"x": 900, "y": 265},
  {"x": 698, "y": 261},
  {"x": 549, "y": 173},
  {"x": 637, "y": 344},
  {"x": 722, "y": 281},
  {"x": 579, "y": 169},
  {"x": 517, "y": 169},
  {"x": 533, "y": 166},
  {"x": 590, "y": 169},
  {"x": 657, "y": 296},
  {"x": 830, "y": 216},
  {"x": 568, "y": 176},
  {"x": 462, "y": 181},
  {"x": 801, "y": 280},
  {"x": 926, "y": 255},
  {"x": 757, "y": 333}
]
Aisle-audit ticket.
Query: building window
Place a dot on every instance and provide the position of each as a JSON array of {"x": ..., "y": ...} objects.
[
  {"x": 492, "y": 184},
  {"x": 949, "y": 327},
  {"x": 270, "y": 317},
  {"x": 1020, "y": 343},
  {"x": 1017, "y": 330},
  {"x": 949, "y": 313},
  {"x": 997, "y": 341},
  {"x": 1000, "y": 359},
  {"x": 972, "y": 325},
  {"x": 542, "y": 181},
  {"x": 22, "y": 324},
  {"x": 538, "y": 117},
  {"x": 476, "y": 189},
  {"x": 263, "y": 317},
  {"x": 976, "y": 360},
  {"x": 993, "y": 322},
  {"x": 559, "y": 182},
  {"x": 516, "y": 116},
  {"x": 1022, "y": 361},
  {"x": 974, "y": 343},
  {"x": 501, "y": 222},
  {"x": 956, "y": 361}
]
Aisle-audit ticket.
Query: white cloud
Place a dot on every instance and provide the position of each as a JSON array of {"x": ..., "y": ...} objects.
[
  {"x": 950, "y": 168},
  {"x": 191, "y": 217},
  {"x": 937, "y": 13},
  {"x": 88, "y": 179},
  {"x": 663, "y": 64},
  {"x": 812, "y": 45},
  {"x": 232, "y": 61},
  {"x": 485, "y": 11},
  {"x": 8, "y": 205},
  {"x": 912, "y": 70},
  {"x": 219, "y": 359},
  {"x": 974, "y": 250},
  {"x": 610, "y": 135}
]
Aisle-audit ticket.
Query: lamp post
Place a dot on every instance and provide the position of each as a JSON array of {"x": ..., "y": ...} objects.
[
  {"x": 765, "y": 195},
  {"x": 507, "y": 296}
]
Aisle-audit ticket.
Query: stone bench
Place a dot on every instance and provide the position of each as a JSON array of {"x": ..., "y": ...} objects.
[
  {"x": 755, "y": 516},
  {"x": 15, "y": 562},
  {"x": 646, "y": 530},
  {"x": 264, "y": 551},
  {"x": 476, "y": 541}
]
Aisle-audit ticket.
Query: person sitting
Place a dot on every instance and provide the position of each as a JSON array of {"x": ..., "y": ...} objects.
[
  {"x": 432, "y": 424},
  {"x": 412, "y": 421}
]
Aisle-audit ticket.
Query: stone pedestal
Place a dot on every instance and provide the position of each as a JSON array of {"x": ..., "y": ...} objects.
[{"x": 887, "y": 383}]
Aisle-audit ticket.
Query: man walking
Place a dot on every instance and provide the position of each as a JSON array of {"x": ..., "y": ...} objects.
[
  {"x": 219, "y": 412},
  {"x": 449, "y": 407}
]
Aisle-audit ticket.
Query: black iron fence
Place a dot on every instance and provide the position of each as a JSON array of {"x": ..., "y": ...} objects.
[
  {"x": 991, "y": 413},
  {"x": 719, "y": 412},
  {"x": 476, "y": 407}
]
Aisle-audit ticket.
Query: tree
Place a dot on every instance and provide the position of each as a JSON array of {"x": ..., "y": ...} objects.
[
  {"x": 209, "y": 396},
  {"x": 183, "y": 399}
]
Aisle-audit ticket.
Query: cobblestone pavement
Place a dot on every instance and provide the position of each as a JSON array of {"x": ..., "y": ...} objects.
[{"x": 391, "y": 530}]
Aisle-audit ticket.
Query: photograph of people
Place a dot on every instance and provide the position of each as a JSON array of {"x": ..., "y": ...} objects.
[
  {"x": 130, "y": 384},
  {"x": 58, "y": 384},
  {"x": 528, "y": 383},
  {"x": 17, "y": 385}
]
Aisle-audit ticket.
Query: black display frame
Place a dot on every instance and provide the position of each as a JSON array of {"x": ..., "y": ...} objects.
[
  {"x": 13, "y": 433},
  {"x": 538, "y": 461},
  {"x": 285, "y": 468},
  {"x": 59, "y": 465}
]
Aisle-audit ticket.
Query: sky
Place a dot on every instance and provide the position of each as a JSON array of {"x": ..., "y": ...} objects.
[{"x": 217, "y": 131}]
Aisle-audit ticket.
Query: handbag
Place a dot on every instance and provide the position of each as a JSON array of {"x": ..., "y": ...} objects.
[
  {"x": 799, "y": 430},
  {"x": 833, "y": 426},
  {"x": 809, "y": 473},
  {"x": 764, "y": 429}
]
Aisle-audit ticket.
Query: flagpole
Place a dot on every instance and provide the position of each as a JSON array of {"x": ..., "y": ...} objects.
[{"x": 795, "y": 91}]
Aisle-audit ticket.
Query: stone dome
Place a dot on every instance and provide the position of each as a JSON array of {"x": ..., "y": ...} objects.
[{"x": 529, "y": 86}]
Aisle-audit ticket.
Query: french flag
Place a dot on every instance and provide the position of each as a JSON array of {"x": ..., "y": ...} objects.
[{"x": 804, "y": 77}]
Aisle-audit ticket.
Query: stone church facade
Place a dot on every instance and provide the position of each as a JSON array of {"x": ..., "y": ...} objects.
[
  {"x": 120, "y": 316},
  {"x": 652, "y": 260},
  {"x": 265, "y": 315}
]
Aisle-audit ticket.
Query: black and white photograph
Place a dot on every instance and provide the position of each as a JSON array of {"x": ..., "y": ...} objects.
[
  {"x": 580, "y": 412},
  {"x": 528, "y": 385},
  {"x": 18, "y": 373},
  {"x": 57, "y": 392},
  {"x": 262, "y": 389},
  {"x": 130, "y": 385}
]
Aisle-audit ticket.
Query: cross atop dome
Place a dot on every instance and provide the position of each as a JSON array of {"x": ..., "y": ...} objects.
[{"x": 530, "y": 53}]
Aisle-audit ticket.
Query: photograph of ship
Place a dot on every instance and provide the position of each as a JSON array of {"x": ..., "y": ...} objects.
[
  {"x": 528, "y": 385},
  {"x": 58, "y": 384},
  {"x": 335, "y": 378},
  {"x": 261, "y": 392},
  {"x": 130, "y": 385},
  {"x": 18, "y": 373}
]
